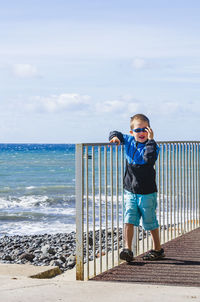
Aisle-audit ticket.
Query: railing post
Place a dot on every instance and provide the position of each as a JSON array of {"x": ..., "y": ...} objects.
[
  {"x": 198, "y": 183},
  {"x": 79, "y": 213}
]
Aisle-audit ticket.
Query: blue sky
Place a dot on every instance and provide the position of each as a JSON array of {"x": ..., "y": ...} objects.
[{"x": 71, "y": 71}]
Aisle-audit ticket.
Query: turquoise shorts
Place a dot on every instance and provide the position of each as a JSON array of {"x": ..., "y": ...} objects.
[{"x": 137, "y": 206}]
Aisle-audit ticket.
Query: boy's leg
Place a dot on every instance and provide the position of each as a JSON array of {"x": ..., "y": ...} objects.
[
  {"x": 126, "y": 253},
  {"x": 131, "y": 218},
  {"x": 158, "y": 252},
  {"x": 128, "y": 235},
  {"x": 156, "y": 239},
  {"x": 148, "y": 206}
]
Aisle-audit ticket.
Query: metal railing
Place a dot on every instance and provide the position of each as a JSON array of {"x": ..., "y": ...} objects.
[{"x": 99, "y": 201}]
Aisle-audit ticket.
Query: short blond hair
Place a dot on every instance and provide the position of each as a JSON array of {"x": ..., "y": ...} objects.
[{"x": 140, "y": 117}]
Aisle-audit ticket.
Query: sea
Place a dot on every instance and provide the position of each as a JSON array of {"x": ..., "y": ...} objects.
[{"x": 37, "y": 189}]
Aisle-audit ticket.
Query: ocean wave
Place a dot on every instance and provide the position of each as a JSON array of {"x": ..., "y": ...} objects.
[
  {"x": 40, "y": 190},
  {"x": 30, "y": 188},
  {"x": 43, "y": 202},
  {"x": 31, "y": 215},
  {"x": 36, "y": 201},
  {"x": 29, "y": 228},
  {"x": 5, "y": 190}
]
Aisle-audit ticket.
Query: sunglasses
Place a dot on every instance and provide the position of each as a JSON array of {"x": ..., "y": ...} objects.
[{"x": 140, "y": 130}]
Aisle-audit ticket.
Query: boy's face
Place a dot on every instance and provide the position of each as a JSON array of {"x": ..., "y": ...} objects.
[{"x": 142, "y": 136}]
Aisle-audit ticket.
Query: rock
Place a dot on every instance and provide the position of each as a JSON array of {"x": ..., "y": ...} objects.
[
  {"x": 37, "y": 251},
  {"x": 63, "y": 259},
  {"x": 71, "y": 261},
  {"x": 7, "y": 258},
  {"x": 48, "y": 250},
  {"x": 65, "y": 247},
  {"x": 43, "y": 257},
  {"x": 71, "y": 264},
  {"x": 71, "y": 258},
  {"x": 90, "y": 240},
  {"x": 27, "y": 256},
  {"x": 58, "y": 263},
  {"x": 45, "y": 249}
]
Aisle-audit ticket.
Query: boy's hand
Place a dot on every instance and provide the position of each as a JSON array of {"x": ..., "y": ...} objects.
[
  {"x": 150, "y": 133},
  {"x": 115, "y": 140}
]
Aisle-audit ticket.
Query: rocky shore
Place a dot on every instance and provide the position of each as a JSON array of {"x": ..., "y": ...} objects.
[{"x": 55, "y": 250}]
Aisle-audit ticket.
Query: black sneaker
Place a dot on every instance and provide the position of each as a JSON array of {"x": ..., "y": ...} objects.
[
  {"x": 154, "y": 255},
  {"x": 127, "y": 255}
]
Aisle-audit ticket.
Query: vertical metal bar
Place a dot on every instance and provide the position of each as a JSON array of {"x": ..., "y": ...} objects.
[
  {"x": 180, "y": 185},
  {"x": 106, "y": 205},
  {"x": 184, "y": 184},
  {"x": 193, "y": 188},
  {"x": 163, "y": 185},
  {"x": 156, "y": 169},
  {"x": 177, "y": 185},
  {"x": 80, "y": 213},
  {"x": 193, "y": 184},
  {"x": 187, "y": 187},
  {"x": 142, "y": 240},
  {"x": 159, "y": 194},
  {"x": 134, "y": 242},
  {"x": 93, "y": 208},
  {"x": 112, "y": 208},
  {"x": 87, "y": 211},
  {"x": 170, "y": 185},
  {"x": 122, "y": 190},
  {"x": 138, "y": 234},
  {"x": 167, "y": 198},
  {"x": 198, "y": 184},
  {"x": 117, "y": 201},
  {"x": 190, "y": 181},
  {"x": 100, "y": 210},
  {"x": 147, "y": 239},
  {"x": 174, "y": 200}
]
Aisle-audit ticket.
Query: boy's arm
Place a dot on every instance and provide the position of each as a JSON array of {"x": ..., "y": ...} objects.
[
  {"x": 117, "y": 134},
  {"x": 151, "y": 152}
]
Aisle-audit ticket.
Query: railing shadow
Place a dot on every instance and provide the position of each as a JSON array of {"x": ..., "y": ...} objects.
[{"x": 169, "y": 261}]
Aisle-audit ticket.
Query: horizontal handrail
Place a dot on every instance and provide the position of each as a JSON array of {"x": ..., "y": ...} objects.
[{"x": 158, "y": 142}]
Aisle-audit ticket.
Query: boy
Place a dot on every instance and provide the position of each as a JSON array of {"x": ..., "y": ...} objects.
[{"x": 139, "y": 183}]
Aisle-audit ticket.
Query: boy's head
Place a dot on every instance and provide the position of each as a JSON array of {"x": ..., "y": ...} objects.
[{"x": 138, "y": 123}]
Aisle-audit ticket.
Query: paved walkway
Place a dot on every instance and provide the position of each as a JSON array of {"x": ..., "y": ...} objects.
[
  {"x": 181, "y": 266},
  {"x": 23, "y": 289}
]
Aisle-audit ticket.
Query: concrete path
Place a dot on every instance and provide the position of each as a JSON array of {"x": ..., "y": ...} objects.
[{"x": 17, "y": 286}]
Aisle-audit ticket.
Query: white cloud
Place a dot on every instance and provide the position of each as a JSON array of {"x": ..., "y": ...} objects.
[
  {"x": 138, "y": 63},
  {"x": 74, "y": 104},
  {"x": 59, "y": 103},
  {"x": 127, "y": 106},
  {"x": 25, "y": 70},
  {"x": 122, "y": 106},
  {"x": 110, "y": 106}
]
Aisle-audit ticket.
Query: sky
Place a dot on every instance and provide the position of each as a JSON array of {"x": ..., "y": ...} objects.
[{"x": 72, "y": 71}]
